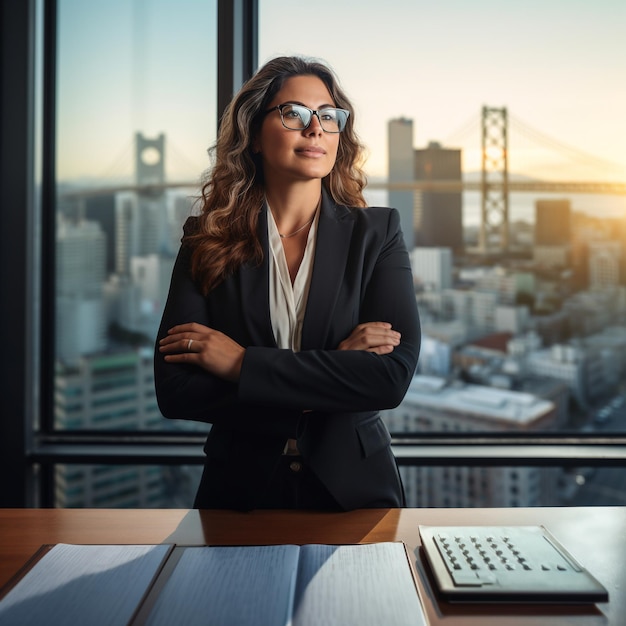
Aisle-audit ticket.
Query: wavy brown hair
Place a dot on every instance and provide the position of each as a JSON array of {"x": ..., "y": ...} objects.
[{"x": 226, "y": 234}]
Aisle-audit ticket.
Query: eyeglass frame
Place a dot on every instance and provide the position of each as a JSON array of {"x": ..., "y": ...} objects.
[{"x": 313, "y": 112}]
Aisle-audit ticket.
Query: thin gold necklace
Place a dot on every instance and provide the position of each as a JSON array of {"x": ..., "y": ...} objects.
[{"x": 295, "y": 232}]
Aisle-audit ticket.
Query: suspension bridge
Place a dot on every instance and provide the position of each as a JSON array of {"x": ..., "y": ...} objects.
[{"x": 490, "y": 133}]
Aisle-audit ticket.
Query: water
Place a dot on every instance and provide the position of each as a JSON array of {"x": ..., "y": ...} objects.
[{"x": 522, "y": 205}]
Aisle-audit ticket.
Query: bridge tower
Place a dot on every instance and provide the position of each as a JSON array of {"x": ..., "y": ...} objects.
[{"x": 494, "y": 228}]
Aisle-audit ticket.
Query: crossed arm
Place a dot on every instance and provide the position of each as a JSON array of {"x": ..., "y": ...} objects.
[
  {"x": 204, "y": 374},
  {"x": 218, "y": 354}
]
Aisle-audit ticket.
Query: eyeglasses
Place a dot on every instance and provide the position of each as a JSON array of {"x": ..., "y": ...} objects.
[{"x": 298, "y": 117}]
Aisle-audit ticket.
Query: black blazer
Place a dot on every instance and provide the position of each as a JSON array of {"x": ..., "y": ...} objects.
[{"x": 325, "y": 398}]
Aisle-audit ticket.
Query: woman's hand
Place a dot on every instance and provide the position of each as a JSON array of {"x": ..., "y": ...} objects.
[
  {"x": 203, "y": 346},
  {"x": 375, "y": 337}
]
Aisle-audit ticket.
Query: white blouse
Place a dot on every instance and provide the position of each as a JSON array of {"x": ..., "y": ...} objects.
[{"x": 287, "y": 301}]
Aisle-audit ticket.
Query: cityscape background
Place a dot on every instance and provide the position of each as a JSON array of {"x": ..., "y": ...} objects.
[{"x": 527, "y": 336}]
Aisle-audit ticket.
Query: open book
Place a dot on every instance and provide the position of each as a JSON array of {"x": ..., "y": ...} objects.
[{"x": 281, "y": 585}]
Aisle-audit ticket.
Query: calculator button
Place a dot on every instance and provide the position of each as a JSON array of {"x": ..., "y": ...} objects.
[{"x": 466, "y": 579}]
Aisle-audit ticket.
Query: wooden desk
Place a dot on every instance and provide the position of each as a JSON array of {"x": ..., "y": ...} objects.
[{"x": 595, "y": 535}]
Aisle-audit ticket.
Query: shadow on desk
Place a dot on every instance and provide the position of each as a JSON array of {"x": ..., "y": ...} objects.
[{"x": 214, "y": 527}]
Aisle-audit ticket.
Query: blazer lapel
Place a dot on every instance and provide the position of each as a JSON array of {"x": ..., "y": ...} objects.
[
  {"x": 254, "y": 294},
  {"x": 331, "y": 254}
]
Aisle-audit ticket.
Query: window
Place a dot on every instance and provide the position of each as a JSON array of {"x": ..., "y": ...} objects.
[
  {"x": 532, "y": 310},
  {"x": 121, "y": 74},
  {"x": 136, "y": 110},
  {"x": 91, "y": 100},
  {"x": 521, "y": 286}
]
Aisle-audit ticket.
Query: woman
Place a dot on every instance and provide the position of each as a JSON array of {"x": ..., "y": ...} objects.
[{"x": 291, "y": 318}]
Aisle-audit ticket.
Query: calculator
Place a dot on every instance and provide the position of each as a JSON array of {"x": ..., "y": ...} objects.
[{"x": 505, "y": 564}]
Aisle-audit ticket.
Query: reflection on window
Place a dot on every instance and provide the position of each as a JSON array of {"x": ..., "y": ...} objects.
[{"x": 136, "y": 111}]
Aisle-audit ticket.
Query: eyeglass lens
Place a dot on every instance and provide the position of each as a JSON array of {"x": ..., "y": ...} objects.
[{"x": 298, "y": 117}]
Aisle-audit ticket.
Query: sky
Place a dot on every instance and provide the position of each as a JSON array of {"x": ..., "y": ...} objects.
[{"x": 558, "y": 66}]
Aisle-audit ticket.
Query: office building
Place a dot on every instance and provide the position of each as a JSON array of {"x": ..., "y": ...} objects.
[
  {"x": 126, "y": 229},
  {"x": 439, "y": 219},
  {"x": 183, "y": 207},
  {"x": 458, "y": 313},
  {"x": 605, "y": 260},
  {"x": 101, "y": 209},
  {"x": 590, "y": 372},
  {"x": 151, "y": 274},
  {"x": 104, "y": 486},
  {"x": 477, "y": 309},
  {"x": 553, "y": 233},
  {"x": 432, "y": 268},
  {"x": 553, "y": 222},
  {"x": 435, "y": 356},
  {"x": 589, "y": 312},
  {"x": 114, "y": 392},
  {"x": 80, "y": 306},
  {"x": 513, "y": 319},
  {"x": 509, "y": 285},
  {"x": 433, "y": 405},
  {"x": 612, "y": 341},
  {"x": 401, "y": 171}
]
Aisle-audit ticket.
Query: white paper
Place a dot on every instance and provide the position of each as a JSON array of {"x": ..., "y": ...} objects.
[
  {"x": 360, "y": 585},
  {"x": 83, "y": 585},
  {"x": 229, "y": 586},
  {"x": 280, "y": 585}
]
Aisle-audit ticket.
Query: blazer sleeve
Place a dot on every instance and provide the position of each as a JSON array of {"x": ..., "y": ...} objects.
[
  {"x": 187, "y": 391},
  {"x": 352, "y": 380}
]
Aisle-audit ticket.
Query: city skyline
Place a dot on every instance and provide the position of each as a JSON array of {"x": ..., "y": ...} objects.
[{"x": 551, "y": 64}]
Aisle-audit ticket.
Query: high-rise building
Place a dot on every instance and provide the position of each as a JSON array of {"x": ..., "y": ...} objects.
[
  {"x": 477, "y": 309},
  {"x": 81, "y": 268},
  {"x": 115, "y": 391},
  {"x": 401, "y": 170},
  {"x": 509, "y": 285},
  {"x": 101, "y": 209},
  {"x": 605, "y": 260},
  {"x": 436, "y": 217},
  {"x": 553, "y": 222},
  {"x": 183, "y": 207},
  {"x": 439, "y": 218},
  {"x": 590, "y": 373},
  {"x": 553, "y": 233},
  {"x": 432, "y": 405},
  {"x": 432, "y": 268}
]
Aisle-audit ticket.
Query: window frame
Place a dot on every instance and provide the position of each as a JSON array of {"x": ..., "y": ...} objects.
[{"x": 27, "y": 277}]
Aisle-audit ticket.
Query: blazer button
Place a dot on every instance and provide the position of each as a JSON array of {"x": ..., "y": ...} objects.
[{"x": 295, "y": 466}]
